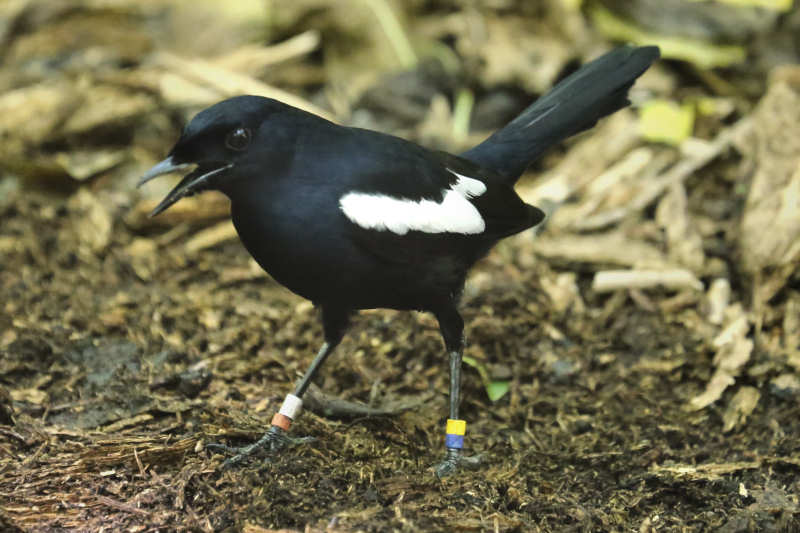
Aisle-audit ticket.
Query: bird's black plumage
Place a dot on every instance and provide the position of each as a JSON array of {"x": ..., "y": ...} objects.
[
  {"x": 354, "y": 219},
  {"x": 594, "y": 91}
]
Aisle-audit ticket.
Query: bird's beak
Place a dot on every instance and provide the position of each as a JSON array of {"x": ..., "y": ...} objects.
[
  {"x": 164, "y": 167},
  {"x": 190, "y": 184}
]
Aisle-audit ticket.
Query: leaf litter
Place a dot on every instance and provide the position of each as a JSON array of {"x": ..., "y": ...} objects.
[{"x": 640, "y": 351}]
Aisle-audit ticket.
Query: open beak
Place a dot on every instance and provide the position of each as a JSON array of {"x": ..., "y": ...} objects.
[
  {"x": 190, "y": 184},
  {"x": 164, "y": 167}
]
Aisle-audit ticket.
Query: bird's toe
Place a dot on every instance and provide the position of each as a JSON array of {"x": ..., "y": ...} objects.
[
  {"x": 455, "y": 461},
  {"x": 271, "y": 443}
]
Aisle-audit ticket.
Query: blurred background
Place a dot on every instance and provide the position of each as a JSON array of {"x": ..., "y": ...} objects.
[{"x": 642, "y": 345}]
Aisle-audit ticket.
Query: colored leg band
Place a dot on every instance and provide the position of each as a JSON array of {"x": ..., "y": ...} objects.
[
  {"x": 282, "y": 421},
  {"x": 455, "y": 433},
  {"x": 291, "y": 407},
  {"x": 454, "y": 441},
  {"x": 290, "y": 410}
]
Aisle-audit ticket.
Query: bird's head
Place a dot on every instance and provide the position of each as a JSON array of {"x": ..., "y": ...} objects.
[{"x": 219, "y": 144}]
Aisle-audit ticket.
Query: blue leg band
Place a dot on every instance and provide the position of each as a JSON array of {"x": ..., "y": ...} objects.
[{"x": 454, "y": 441}]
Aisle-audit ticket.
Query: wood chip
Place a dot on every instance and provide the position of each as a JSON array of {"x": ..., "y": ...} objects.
[
  {"x": 718, "y": 298},
  {"x": 197, "y": 209},
  {"x": 253, "y": 58},
  {"x": 212, "y": 236},
  {"x": 128, "y": 422},
  {"x": 742, "y": 405},
  {"x": 734, "y": 349},
  {"x": 229, "y": 83},
  {"x": 708, "y": 471},
  {"x": 683, "y": 239},
  {"x": 587, "y": 160},
  {"x": 612, "y": 280},
  {"x": 95, "y": 226},
  {"x": 609, "y": 249}
]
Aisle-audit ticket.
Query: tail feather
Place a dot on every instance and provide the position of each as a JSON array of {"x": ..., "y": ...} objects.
[{"x": 575, "y": 104}]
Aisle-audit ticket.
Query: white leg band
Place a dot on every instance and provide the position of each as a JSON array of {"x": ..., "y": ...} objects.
[{"x": 291, "y": 407}]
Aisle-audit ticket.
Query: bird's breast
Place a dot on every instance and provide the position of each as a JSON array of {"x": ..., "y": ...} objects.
[{"x": 289, "y": 240}]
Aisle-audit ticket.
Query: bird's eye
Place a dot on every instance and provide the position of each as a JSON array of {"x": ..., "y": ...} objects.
[{"x": 238, "y": 139}]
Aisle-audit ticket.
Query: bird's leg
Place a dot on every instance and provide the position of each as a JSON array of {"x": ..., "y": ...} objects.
[
  {"x": 276, "y": 439},
  {"x": 452, "y": 327}
]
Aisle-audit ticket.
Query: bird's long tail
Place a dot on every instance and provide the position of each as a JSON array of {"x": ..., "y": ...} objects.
[{"x": 575, "y": 104}]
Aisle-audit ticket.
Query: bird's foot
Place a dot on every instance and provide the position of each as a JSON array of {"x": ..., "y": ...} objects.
[
  {"x": 271, "y": 443},
  {"x": 455, "y": 460}
]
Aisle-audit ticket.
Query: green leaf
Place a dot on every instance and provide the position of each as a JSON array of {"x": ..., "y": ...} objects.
[
  {"x": 494, "y": 389},
  {"x": 775, "y": 5},
  {"x": 462, "y": 110},
  {"x": 479, "y": 367},
  {"x": 703, "y": 54},
  {"x": 497, "y": 389},
  {"x": 665, "y": 121}
]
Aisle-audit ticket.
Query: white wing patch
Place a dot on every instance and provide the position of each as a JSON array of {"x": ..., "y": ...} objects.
[{"x": 454, "y": 214}]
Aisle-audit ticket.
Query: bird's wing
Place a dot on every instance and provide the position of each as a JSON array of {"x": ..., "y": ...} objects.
[
  {"x": 430, "y": 208},
  {"x": 504, "y": 212}
]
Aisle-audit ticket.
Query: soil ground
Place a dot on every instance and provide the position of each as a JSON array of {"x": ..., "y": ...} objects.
[
  {"x": 124, "y": 380},
  {"x": 128, "y": 344}
]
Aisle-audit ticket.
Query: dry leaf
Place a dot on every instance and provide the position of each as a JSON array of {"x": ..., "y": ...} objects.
[
  {"x": 683, "y": 240},
  {"x": 733, "y": 352},
  {"x": 36, "y": 396},
  {"x": 742, "y": 405},
  {"x": 94, "y": 227},
  {"x": 770, "y": 230}
]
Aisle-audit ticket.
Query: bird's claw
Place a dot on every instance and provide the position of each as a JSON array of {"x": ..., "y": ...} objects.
[
  {"x": 454, "y": 460},
  {"x": 271, "y": 443}
]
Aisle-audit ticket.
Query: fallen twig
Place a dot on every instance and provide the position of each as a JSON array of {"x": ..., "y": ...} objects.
[
  {"x": 612, "y": 280},
  {"x": 229, "y": 83}
]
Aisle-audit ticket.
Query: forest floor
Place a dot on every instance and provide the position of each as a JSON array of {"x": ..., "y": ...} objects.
[
  {"x": 119, "y": 383},
  {"x": 645, "y": 342}
]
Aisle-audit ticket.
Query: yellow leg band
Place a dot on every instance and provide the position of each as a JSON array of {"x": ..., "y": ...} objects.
[{"x": 456, "y": 427}]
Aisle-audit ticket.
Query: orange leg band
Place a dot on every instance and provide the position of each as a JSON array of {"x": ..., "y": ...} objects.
[{"x": 282, "y": 421}]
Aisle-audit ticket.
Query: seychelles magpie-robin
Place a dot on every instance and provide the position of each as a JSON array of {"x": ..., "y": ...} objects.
[{"x": 354, "y": 219}]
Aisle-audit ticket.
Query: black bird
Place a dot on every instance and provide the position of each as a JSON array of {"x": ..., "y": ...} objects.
[{"x": 354, "y": 219}]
